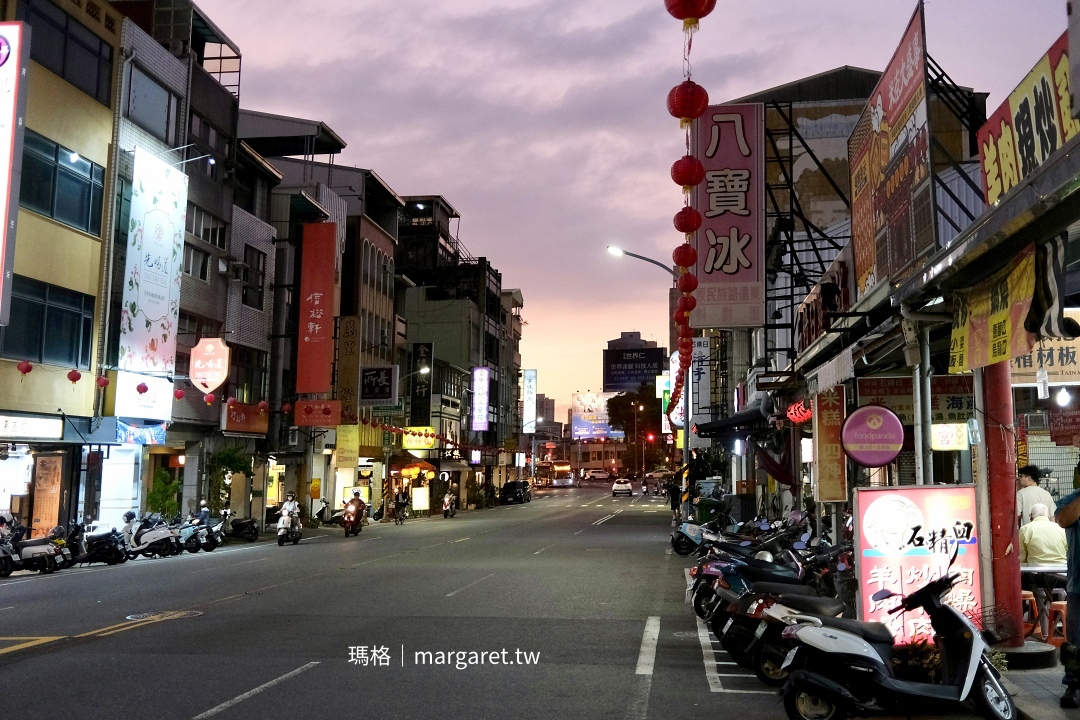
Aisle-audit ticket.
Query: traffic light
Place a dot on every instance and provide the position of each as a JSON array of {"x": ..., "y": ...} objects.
[{"x": 650, "y": 437}]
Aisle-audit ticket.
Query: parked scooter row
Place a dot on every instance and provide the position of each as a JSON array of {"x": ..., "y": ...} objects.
[{"x": 84, "y": 543}]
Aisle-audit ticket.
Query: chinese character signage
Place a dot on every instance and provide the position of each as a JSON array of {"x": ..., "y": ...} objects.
[
  {"x": 348, "y": 446},
  {"x": 155, "y": 252},
  {"x": 209, "y": 364},
  {"x": 830, "y": 465},
  {"x": 348, "y": 369},
  {"x": 677, "y": 412},
  {"x": 628, "y": 370},
  {"x": 481, "y": 385},
  {"x": 379, "y": 385},
  {"x": 1060, "y": 359},
  {"x": 589, "y": 416},
  {"x": 952, "y": 397},
  {"x": 729, "y": 142},
  {"x": 423, "y": 438},
  {"x": 892, "y": 215},
  {"x": 31, "y": 427},
  {"x": 1064, "y": 427},
  {"x": 904, "y": 538},
  {"x": 14, "y": 59},
  {"x": 988, "y": 319},
  {"x": 700, "y": 384},
  {"x": 317, "y": 413},
  {"x": 1032, "y": 123},
  {"x": 528, "y": 408},
  {"x": 423, "y": 355},
  {"x": 872, "y": 436},
  {"x": 949, "y": 436},
  {"x": 315, "y": 325},
  {"x": 242, "y": 418}
]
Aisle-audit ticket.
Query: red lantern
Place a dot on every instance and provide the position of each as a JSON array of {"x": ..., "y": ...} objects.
[
  {"x": 209, "y": 398},
  {"x": 24, "y": 367},
  {"x": 685, "y": 255},
  {"x": 363, "y": 421},
  {"x": 326, "y": 410},
  {"x": 687, "y": 101},
  {"x": 74, "y": 376},
  {"x": 178, "y": 394},
  {"x": 681, "y": 318},
  {"x": 231, "y": 401},
  {"x": 102, "y": 381},
  {"x": 142, "y": 388},
  {"x": 263, "y": 406},
  {"x": 689, "y": 11},
  {"x": 308, "y": 409},
  {"x": 687, "y": 303},
  {"x": 687, "y": 220},
  {"x": 685, "y": 331},
  {"x": 688, "y": 172},
  {"x": 687, "y": 283},
  {"x": 286, "y": 408},
  {"x": 686, "y": 343}
]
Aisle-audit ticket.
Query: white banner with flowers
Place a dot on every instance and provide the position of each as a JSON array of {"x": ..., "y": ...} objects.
[{"x": 155, "y": 255}]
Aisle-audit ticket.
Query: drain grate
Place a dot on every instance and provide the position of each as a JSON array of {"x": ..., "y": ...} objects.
[
  {"x": 171, "y": 615},
  {"x": 144, "y": 616}
]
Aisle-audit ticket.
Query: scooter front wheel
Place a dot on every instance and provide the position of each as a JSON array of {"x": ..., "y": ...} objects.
[
  {"x": 767, "y": 669},
  {"x": 992, "y": 700},
  {"x": 800, "y": 704},
  {"x": 281, "y": 540},
  {"x": 682, "y": 545}
]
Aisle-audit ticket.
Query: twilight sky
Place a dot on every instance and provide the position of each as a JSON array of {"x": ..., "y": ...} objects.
[{"x": 544, "y": 121}]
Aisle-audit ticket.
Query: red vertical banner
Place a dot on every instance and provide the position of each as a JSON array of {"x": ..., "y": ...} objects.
[
  {"x": 315, "y": 325},
  {"x": 830, "y": 464}
]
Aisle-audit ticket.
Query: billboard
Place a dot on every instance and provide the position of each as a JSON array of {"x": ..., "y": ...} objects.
[
  {"x": 14, "y": 59},
  {"x": 317, "y": 413},
  {"x": 481, "y": 382},
  {"x": 952, "y": 397},
  {"x": 242, "y": 418},
  {"x": 904, "y": 538},
  {"x": 348, "y": 369},
  {"x": 589, "y": 416},
  {"x": 528, "y": 408},
  {"x": 379, "y": 385},
  {"x": 1060, "y": 358},
  {"x": 729, "y": 142},
  {"x": 1033, "y": 122},
  {"x": 155, "y": 255},
  {"x": 892, "y": 199},
  {"x": 423, "y": 355},
  {"x": 628, "y": 370},
  {"x": 154, "y": 404},
  {"x": 315, "y": 327}
]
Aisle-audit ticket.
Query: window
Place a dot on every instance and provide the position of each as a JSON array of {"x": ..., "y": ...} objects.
[
  {"x": 254, "y": 277},
  {"x": 60, "y": 184},
  {"x": 191, "y": 329},
  {"x": 48, "y": 324},
  {"x": 151, "y": 106},
  {"x": 196, "y": 263},
  {"x": 248, "y": 376},
  {"x": 68, "y": 48},
  {"x": 206, "y": 227}
]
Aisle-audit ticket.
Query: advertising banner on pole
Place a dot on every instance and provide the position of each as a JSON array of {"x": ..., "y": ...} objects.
[
  {"x": 348, "y": 370},
  {"x": 729, "y": 142},
  {"x": 481, "y": 386},
  {"x": 528, "y": 407},
  {"x": 904, "y": 538},
  {"x": 315, "y": 328},
  {"x": 830, "y": 465},
  {"x": 14, "y": 62},
  {"x": 892, "y": 199},
  {"x": 155, "y": 255},
  {"x": 422, "y": 372}
]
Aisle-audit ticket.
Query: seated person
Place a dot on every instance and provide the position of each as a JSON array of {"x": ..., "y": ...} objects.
[{"x": 1042, "y": 542}]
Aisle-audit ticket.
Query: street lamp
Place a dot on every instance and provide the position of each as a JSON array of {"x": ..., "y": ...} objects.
[
  {"x": 532, "y": 456},
  {"x": 619, "y": 252},
  {"x": 637, "y": 438}
]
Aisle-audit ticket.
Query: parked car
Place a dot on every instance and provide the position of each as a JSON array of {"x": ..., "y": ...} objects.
[
  {"x": 659, "y": 474},
  {"x": 598, "y": 474},
  {"x": 515, "y": 491},
  {"x": 622, "y": 486}
]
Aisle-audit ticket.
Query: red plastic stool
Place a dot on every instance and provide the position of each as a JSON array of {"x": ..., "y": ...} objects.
[
  {"x": 1027, "y": 603},
  {"x": 1058, "y": 611}
]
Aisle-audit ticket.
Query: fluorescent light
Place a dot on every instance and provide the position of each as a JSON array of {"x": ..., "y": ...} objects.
[
  {"x": 211, "y": 161},
  {"x": 1063, "y": 397},
  {"x": 424, "y": 370}
]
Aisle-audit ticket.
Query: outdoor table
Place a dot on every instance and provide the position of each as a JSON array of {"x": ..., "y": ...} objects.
[{"x": 1043, "y": 577}]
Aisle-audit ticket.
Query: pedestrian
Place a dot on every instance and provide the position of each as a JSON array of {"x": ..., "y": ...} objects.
[
  {"x": 673, "y": 495},
  {"x": 1042, "y": 542},
  {"x": 1030, "y": 493},
  {"x": 1068, "y": 517}
]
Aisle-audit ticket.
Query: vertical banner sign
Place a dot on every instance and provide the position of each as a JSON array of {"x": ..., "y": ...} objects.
[
  {"x": 830, "y": 465},
  {"x": 348, "y": 370},
  {"x": 315, "y": 326},
  {"x": 892, "y": 200},
  {"x": 348, "y": 445},
  {"x": 729, "y": 142},
  {"x": 701, "y": 382},
  {"x": 420, "y": 404},
  {"x": 481, "y": 379},
  {"x": 679, "y": 410},
  {"x": 904, "y": 538},
  {"x": 155, "y": 252},
  {"x": 1032, "y": 123},
  {"x": 14, "y": 59},
  {"x": 528, "y": 410}
]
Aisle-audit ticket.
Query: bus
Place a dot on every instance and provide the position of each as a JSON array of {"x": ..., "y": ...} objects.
[{"x": 557, "y": 473}]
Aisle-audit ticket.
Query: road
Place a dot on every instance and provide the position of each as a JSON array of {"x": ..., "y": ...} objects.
[{"x": 566, "y": 607}]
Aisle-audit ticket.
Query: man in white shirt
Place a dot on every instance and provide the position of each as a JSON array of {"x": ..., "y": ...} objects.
[{"x": 1030, "y": 494}]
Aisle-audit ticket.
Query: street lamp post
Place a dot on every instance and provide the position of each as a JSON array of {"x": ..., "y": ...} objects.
[
  {"x": 532, "y": 456},
  {"x": 424, "y": 370}
]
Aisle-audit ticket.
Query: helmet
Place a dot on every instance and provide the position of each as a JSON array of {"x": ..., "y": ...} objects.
[
  {"x": 57, "y": 532},
  {"x": 202, "y": 503},
  {"x": 129, "y": 516},
  {"x": 356, "y": 493},
  {"x": 290, "y": 495}
]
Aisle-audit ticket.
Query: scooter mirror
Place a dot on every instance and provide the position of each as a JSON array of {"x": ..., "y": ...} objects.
[
  {"x": 800, "y": 545},
  {"x": 882, "y": 595}
]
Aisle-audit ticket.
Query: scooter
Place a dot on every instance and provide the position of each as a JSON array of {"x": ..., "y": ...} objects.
[
  {"x": 841, "y": 667},
  {"x": 215, "y": 534},
  {"x": 329, "y": 516},
  {"x": 243, "y": 528},
  {"x": 353, "y": 518},
  {"x": 289, "y": 528},
  {"x": 91, "y": 545},
  {"x": 449, "y": 506},
  {"x": 39, "y": 554},
  {"x": 149, "y": 536},
  {"x": 645, "y": 488}
]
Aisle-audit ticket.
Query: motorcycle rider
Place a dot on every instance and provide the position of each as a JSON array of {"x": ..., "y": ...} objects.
[
  {"x": 203, "y": 516},
  {"x": 356, "y": 503},
  {"x": 401, "y": 499},
  {"x": 290, "y": 505}
]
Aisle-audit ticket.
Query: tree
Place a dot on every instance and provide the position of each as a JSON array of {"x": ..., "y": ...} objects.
[
  {"x": 163, "y": 494},
  {"x": 622, "y": 414},
  {"x": 228, "y": 459}
]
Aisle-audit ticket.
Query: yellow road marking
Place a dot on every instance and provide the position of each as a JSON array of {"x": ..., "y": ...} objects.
[{"x": 29, "y": 642}]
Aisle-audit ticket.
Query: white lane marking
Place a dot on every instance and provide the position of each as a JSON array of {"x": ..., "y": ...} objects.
[
  {"x": 246, "y": 562},
  {"x": 9, "y": 607},
  {"x": 461, "y": 540},
  {"x": 668, "y": 551},
  {"x": 265, "y": 686},
  {"x": 474, "y": 582},
  {"x": 686, "y": 577},
  {"x": 647, "y": 655},
  {"x": 710, "y": 660},
  {"x": 604, "y": 519},
  {"x": 543, "y": 549}
]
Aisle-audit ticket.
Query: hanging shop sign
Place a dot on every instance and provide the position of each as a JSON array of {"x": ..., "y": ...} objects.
[
  {"x": 905, "y": 538},
  {"x": 379, "y": 387},
  {"x": 14, "y": 61},
  {"x": 729, "y": 142},
  {"x": 699, "y": 385},
  {"x": 242, "y": 418},
  {"x": 348, "y": 446},
  {"x": 155, "y": 402},
  {"x": 1060, "y": 358},
  {"x": 317, "y": 413},
  {"x": 872, "y": 436},
  {"x": 1030, "y": 126},
  {"x": 1064, "y": 427},
  {"x": 988, "y": 319},
  {"x": 481, "y": 385},
  {"x": 892, "y": 201},
  {"x": 209, "y": 364},
  {"x": 155, "y": 254},
  {"x": 949, "y": 436},
  {"x": 677, "y": 418},
  {"x": 830, "y": 466},
  {"x": 952, "y": 397},
  {"x": 420, "y": 404},
  {"x": 315, "y": 327},
  {"x": 422, "y": 438},
  {"x": 348, "y": 369},
  {"x": 528, "y": 407},
  {"x": 831, "y": 295}
]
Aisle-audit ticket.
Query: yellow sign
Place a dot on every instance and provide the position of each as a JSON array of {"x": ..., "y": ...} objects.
[
  {"x": 949, "y": 436},
  {"x": 1060, "y": 359},
  {"x": 316, "y": 487},
  {"x": 418, "y": 438},
  {"x": 348, "y": 445}
]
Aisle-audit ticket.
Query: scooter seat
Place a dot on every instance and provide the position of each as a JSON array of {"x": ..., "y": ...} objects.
[
  {"x": 771, "y": 588},
  {"x": 35, "y": 542},
  {"x": 735, "y": 549},
  {"x": 813, "y": 605},
  {"x": 755, "y": 574},
  {"x": 870, "y": 631}
]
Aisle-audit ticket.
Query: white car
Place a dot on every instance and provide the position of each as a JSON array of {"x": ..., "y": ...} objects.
[
  {"x": 620, "y": 486},
  {"x": 598, "y": 474},
  {"x": 660, "y": 474}
]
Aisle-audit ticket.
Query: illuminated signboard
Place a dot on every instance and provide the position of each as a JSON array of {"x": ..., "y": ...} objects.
[
  {"x": 209, "y": 364},
  {"x": 528, "y": 410},
  {"x": 481, "y": 379},
  {"x": 14, "y": 58},
  {"x": 949, "y": 436},
  {"x": 154, "y": 404},
  {"x": 422, "y": 438}
]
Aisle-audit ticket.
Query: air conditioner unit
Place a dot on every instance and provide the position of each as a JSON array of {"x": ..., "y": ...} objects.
[
  {"x": 1036, "y": 421},
  {"x": 319, "y": 444},
  {"x": 293, "y": 437}
]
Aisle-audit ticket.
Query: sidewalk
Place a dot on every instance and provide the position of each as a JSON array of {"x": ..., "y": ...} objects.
[{"x": 1037, "y": 693}]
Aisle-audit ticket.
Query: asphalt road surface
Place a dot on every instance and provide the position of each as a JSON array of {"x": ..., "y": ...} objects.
[{"x": 570, "y": 606}]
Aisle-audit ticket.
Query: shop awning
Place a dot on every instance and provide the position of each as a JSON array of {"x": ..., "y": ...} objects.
[
  {"x": 752, "y": 417},
  {"x": 452, "y": 465},
  {"x": 397, "y": 464}
]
